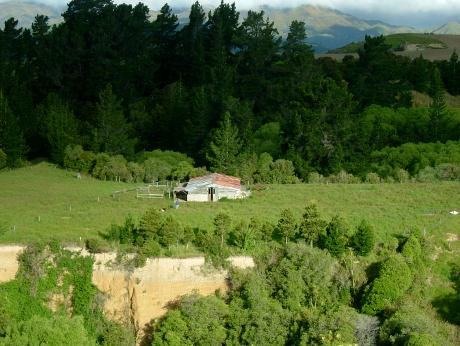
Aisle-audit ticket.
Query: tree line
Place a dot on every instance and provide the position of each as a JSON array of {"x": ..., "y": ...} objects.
[{"x": 221, "y": 89}]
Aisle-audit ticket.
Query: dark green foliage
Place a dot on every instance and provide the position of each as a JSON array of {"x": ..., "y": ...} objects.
[
  {"x": 96, "y": 245},
  {"x": 363, "y": 239},
  {"x": 11, "y": 137},
  {"x": 267, "y": 139},
  {"x": 58, "y": 330},
  {"x": 305, "y": 277},
  {"x": 243, "y": 236},
  {"x": 179, "y": 83},
  {"x": 335, "y": 237},
  {"x": 438, "y": 108},
  {"x": 411, "y": 325},
  {"x": 78, "y": 159},
  {"x": 414, "y": 157},
  {"x": 412, "y": 252},
  {"x": 198, "y": 321},
  {"x": 392, "y": 282},
  {"x": 224, "y": 147},
  {"x": 111, "y": 132},
  {"x": 60, "y": 127}
]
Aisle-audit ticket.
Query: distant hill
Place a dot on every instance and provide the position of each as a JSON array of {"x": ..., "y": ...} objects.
[
  {"x": 430, "y": 46},
  {"x": 329, "y": 28},
  {"x": 452, "y": 28},
  {"x": 399, "y": 42},
  {"x": 25, "y": 12},
  {"x": 326, "y": 28}
]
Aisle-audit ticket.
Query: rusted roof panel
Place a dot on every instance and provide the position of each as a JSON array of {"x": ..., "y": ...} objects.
[{"x": 214, "y": 180}]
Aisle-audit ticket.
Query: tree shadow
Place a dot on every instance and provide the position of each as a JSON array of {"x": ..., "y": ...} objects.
[{"x": 448, "y": 306}]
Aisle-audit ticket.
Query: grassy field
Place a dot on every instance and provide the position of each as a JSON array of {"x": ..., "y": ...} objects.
[{"x": 41, "y": 202}]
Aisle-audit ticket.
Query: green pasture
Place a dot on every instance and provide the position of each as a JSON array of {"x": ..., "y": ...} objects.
[
  {"x": 42, "y": 202},
  {"x": 395, "y": 40}
]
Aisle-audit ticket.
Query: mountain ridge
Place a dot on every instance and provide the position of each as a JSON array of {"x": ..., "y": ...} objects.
[{"x": 327, "y": 28}]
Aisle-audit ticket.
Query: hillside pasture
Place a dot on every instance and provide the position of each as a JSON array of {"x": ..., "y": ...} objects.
[
  {"x": 431, "y": 47},
  {"x": 42, "y": 202}
]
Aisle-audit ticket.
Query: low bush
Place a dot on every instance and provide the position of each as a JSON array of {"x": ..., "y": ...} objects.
[{"x": 393, "y": 280}]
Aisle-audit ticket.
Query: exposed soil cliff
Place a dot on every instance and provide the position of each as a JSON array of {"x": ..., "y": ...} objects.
[{"x": 143, "y": 294}]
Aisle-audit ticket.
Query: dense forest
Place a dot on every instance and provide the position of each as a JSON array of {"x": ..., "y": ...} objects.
[{"x": 227, "y": 91}]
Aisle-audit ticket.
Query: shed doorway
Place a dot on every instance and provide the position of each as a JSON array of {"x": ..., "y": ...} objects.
[{"x": 211, "y": 193}]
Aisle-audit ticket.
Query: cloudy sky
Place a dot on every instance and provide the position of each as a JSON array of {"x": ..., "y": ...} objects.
[{"x": 420, "y": 13}]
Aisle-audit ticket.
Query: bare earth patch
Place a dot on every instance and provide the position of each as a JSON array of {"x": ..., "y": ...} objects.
[{"x": 451, "y": 237}]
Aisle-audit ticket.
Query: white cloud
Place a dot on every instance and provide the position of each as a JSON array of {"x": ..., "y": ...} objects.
[
  {"x": 387, "y": 6},
  {"x": 422, "y": 13}
]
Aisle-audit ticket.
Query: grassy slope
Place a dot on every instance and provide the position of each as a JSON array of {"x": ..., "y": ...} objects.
[
  {"x": 395, "y": 40},
  {"x": 451, "y": 42},
  {"x": 45, "y": 191}
]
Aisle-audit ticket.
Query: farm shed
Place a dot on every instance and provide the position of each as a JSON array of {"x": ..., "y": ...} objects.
[{"x": 211, "y": 188}]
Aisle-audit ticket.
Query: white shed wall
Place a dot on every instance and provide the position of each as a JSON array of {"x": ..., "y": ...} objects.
[{"x": 197, "y": 197}]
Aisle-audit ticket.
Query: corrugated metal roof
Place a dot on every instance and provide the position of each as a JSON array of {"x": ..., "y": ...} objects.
[{"x": 214, "y": 180}]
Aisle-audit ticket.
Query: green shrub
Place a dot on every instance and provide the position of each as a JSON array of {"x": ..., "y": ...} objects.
[
  {"x": 101, "y": 170},
  {"x": 282, "y": 172},
  {"x": 137, "y": 172},
  {"x": 198, "y": 172},
  {"x": 412, "y": 325},
  {"x": 421, "y": 339},
  {"x": 242, "y": 237},
  {"x": 58, "y": 330},
  {"x": 182, "y": 171},
  {"x": 96, "y": 245},
  {"x": 392, "y": 282},
  {"x": 447, "y": 171},
  {"x": 343, "y": 178},
  {"x": 401, "y": 175},
  {"x": 151, "y": 248},
  {"x": 372, "y": 178},
  {"x": 315, "y": 178},
  {"x": 117, "y": 169},
  {"x": 427, "y": 175},
  {"x": 77, "y": 159},
  {"x": 156, "y": 169},
  {"x": 111, "y": 168}
]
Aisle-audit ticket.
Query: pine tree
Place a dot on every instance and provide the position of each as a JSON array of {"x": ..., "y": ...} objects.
[
  {"x": 334, "y": 239},
  {"x": 111, "y": 134},
  {"x": 61, "y": 127},
  {"x": 438, "y": 108},
  {"x": 11, "y": 136},
  {"x": 363, "y": 240},
  {"x": 224, "y": 147}
]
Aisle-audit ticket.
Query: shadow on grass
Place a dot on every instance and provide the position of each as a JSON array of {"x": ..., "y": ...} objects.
[{"x": 448, "y": 306}]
